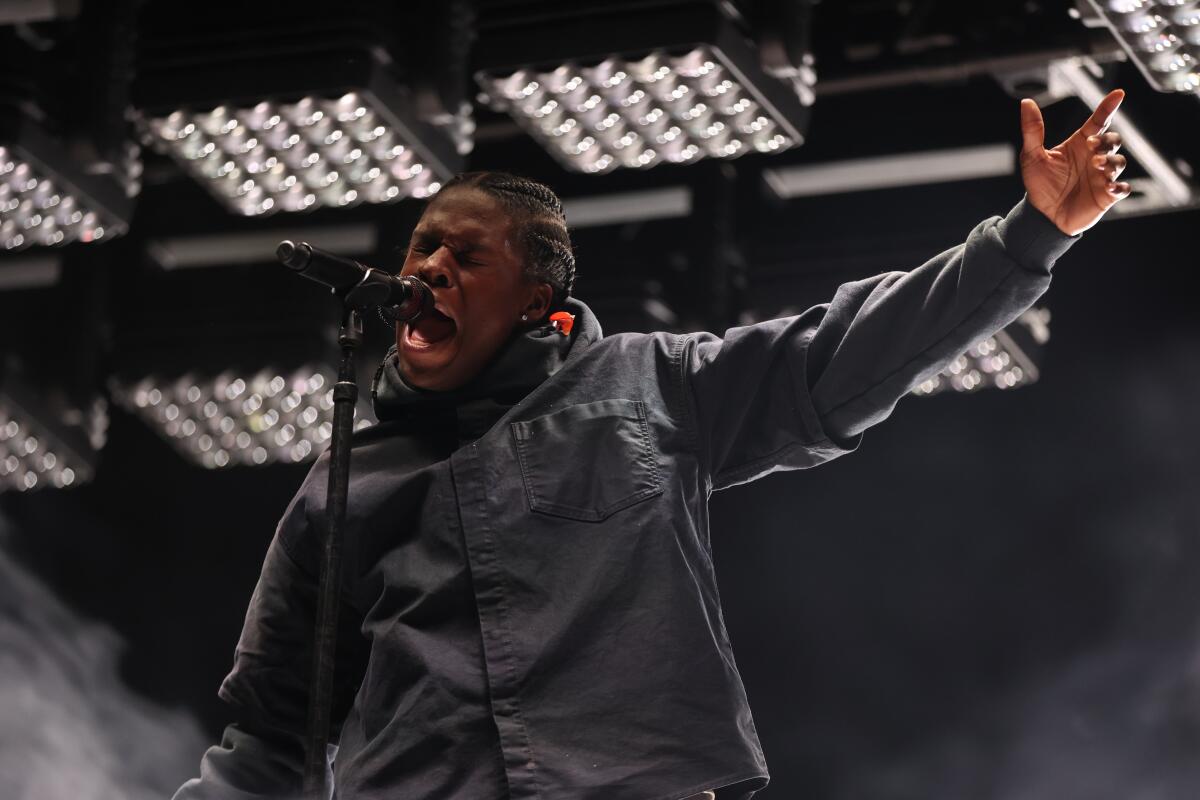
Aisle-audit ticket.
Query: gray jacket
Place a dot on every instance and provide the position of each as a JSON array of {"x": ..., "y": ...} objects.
[{"x": 579, "y": 522}]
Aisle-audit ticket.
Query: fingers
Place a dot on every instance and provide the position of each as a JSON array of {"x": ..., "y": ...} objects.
[
  {"x": 1106, "y": 142},
  {"x": 1104, "y": 159},
  {"x": 1033, "y": 129},
  {"x": 1098, "y": 122},
  {"x": 1110, "y": 166}
]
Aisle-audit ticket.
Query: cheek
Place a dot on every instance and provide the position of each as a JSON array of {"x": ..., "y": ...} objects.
[
  {"x": 493, "y": 320},
  {"x": 494, "y": 304}
]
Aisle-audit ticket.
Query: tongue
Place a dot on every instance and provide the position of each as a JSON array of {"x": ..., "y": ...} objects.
[{"x": 432, "y": 327}]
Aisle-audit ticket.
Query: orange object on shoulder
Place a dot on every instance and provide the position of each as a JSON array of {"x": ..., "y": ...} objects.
[{"x": 562, "y": 322}]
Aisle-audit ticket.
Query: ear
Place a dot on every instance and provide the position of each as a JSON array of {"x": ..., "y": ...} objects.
[{"x": 539, "y": 302}]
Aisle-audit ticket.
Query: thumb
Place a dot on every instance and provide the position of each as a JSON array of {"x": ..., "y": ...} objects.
[{"x": 1033, "y": 130}]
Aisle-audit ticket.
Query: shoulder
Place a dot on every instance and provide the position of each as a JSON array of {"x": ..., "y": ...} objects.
[{"x": 639, "y": 346}]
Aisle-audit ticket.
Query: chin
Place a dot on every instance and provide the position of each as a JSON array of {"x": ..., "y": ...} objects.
[{"x": 429, "y": 365}]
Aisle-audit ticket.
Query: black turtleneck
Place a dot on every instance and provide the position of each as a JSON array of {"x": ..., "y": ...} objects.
[{"x": 527, "y": 359}]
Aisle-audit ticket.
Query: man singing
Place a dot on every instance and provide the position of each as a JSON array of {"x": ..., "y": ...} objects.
[{"x": 529, "y": 605}]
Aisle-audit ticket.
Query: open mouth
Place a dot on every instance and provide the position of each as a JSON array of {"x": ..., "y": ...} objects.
[{"x": 433, "y": 327}]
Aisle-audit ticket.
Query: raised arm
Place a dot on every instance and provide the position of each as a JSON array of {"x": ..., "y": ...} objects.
[{"x": 793, "y": 392}]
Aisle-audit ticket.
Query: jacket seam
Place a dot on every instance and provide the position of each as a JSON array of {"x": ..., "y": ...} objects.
[
  {"x": 732, "y": 473},
  {"x": 965, "y": 319},
  {"x": 510, "y": 650},
  {"x": 521, "y": 460},
  {"x": 691, "y": 424}
]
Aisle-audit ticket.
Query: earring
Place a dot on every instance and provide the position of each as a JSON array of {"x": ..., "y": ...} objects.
[{"x": 524, "y": 318}]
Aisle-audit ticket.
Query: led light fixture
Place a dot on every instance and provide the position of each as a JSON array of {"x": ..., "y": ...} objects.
[
  {"x": 231, "y": 420},
  {"x": 39, "y": 451},
  {"x": 278, "y": 156},
  {"x": 1002, "y": 361},
  {"x": 684, "y": 85},
  {"x": 315, "y": 116},
  {"x": 1162, "y": 37},
  {"x": 45, "y": 196}
]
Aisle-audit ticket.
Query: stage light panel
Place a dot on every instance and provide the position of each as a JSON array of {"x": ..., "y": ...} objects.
[
  {"x": 658, "y": 109},
  {"x": 1161, "y": 36},
  {"x": 35, "y": 452},
  {"x": 233, "y": 420},
  {"x": 986, "y": 364},
  {"x": 1002, "y": 361},
  {"x": 29, "y": 460},
  {"x": 46, "y": 198},
  {"x": 321, "y": 114},
  {"x": 297, "y": 156},
  {"x": 699, "y": 92}
]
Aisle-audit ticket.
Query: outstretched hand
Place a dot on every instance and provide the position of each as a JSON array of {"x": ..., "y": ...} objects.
[{"x": 1074, "y": 183}]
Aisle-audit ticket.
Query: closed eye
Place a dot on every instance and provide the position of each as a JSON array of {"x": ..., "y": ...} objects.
[{"x": 429, "y": 246}]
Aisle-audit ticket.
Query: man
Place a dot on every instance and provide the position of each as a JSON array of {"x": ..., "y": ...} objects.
[{"x": 530, "y": 609}]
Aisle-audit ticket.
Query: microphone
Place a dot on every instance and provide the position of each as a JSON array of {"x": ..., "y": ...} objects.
[{"x": 399, "y": 299}]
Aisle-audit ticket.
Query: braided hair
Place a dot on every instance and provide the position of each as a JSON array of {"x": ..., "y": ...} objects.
[{"x": 540, "y": 222}]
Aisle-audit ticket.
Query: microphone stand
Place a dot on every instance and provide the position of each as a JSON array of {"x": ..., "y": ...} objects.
[
  {"x": 320, "y": 698},
  {"x": 374, "y": 289}
]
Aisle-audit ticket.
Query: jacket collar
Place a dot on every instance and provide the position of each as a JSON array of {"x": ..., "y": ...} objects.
[{"x": 523, "y": 363}]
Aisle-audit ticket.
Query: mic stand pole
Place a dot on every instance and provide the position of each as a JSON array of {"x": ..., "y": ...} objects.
[
  {"x": 345, "y": 398},
  {"x": 373, "y": 290}
]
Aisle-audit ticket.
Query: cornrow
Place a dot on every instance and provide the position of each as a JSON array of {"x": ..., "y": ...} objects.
[
  {"x": 541, "y": 225},
  {"x": 526, "y": 190},
  {"x": 556, "y": 256}
]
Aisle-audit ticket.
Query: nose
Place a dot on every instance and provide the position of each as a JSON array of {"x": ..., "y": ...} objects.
[{"x": 435, "y": 271}]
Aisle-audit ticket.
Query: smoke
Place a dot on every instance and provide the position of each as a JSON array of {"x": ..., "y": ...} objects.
[
  {"x": 1121, "y": 724},
  {"x": 69, "y": 728},
  {"x": 1119, "y": 719}
]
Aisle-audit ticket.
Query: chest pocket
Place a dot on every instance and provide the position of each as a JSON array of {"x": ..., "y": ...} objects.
[{"x": 588, "y": 461}]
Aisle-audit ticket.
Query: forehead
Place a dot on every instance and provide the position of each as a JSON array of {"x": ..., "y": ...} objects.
[{"x": 466, "y": 212}]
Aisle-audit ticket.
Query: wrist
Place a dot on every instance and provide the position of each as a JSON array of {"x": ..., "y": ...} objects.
[
  {"x": 1032, "y": 238},
  {"x": 1047, "y": 213}
]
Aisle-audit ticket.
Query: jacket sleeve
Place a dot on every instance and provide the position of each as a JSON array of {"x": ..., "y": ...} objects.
[
  {"x": 793, "y": 392},
  {"x": 262, "y": 754}
]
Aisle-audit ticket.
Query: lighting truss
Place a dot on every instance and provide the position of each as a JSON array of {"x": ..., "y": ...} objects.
[
  {"x": 1005, "y": 360},
  {"x": 1164, "y": 187},
  {"x": 337, "y": 132},
  {"x": 38, "y": 451},
  {"x": 231, "y": 420},
  {"x": 45, "y": 196},
  {"x": 1162, "y": 37},
  {"x": 683, "y": 84}
]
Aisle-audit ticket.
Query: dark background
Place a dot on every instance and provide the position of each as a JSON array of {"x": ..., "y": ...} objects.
[{"x": 996, "y": 597}]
